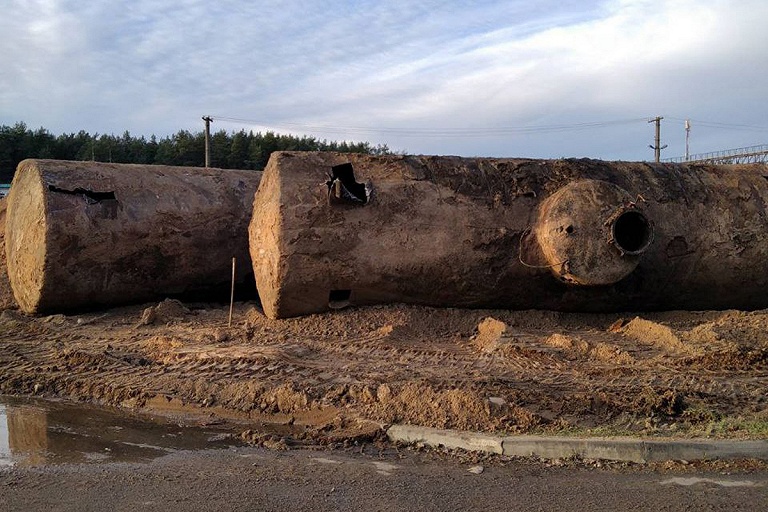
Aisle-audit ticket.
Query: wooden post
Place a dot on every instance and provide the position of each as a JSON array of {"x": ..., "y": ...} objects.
[
  {"x": 207, "y": 120},
  {"x": 657, "y": 147},
  {"x": 232, "y": 292}
]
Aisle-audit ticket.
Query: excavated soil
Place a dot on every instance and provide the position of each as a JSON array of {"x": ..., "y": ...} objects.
[{"x": 340, "y": 374}]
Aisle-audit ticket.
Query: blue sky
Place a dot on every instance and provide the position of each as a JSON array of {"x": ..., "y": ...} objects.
[{"x": 543, "y": 79}]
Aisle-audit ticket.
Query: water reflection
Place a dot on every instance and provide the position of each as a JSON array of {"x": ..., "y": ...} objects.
[
  {"x": 27, "y": 433},
  {"x": 5, "y": 443},
  {"x": 36, "y": 432}
]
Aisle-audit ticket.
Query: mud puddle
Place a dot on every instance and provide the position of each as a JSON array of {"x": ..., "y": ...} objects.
[{"x": 38, "y": 432}]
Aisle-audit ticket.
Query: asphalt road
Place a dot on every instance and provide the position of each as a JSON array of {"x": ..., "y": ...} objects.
[{"x": 257, "y": 479}]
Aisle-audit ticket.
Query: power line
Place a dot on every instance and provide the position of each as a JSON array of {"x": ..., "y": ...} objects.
[
  {"x": 739, "y": 155},
  {"x": 440, "y": 132},
  {"x": 715, "y": 124}
]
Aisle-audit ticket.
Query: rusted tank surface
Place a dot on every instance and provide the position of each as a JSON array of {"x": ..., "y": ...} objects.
[
  {"x": 572, "y": 235},
  {"x": 6, "y": 296},
  {"x": 82, "y": 234}
]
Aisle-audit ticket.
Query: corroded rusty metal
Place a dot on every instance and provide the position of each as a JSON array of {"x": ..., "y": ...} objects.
[
  {"x": 81, "y": 234},
  {"x": 575, "y": 234}
]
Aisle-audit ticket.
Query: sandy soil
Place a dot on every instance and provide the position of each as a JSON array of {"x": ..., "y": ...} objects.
[
  {"x": 333, "y": 374},
  {"x": 489, "y": 370}
]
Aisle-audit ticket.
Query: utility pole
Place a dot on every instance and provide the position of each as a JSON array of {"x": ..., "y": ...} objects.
[
  {"x": 687, "y": 136},
  {"x": 657, "y": 147},
  {"x": 207, "y": 120}
]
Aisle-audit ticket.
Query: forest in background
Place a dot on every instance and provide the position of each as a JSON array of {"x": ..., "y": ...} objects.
[{"x": 235, "y": 150}]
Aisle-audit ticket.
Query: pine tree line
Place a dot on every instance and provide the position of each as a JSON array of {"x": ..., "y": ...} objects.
[{"x": 236, "y": 150}]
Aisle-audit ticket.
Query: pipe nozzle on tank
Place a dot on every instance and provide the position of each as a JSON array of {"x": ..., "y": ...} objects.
[
  {"x": 592, "y": 233},
  {"x": 631, "y": 231}
]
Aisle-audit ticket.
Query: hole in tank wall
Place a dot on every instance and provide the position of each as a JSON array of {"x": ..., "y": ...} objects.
[
  {"x": 632, "y": 232},
  {"x": 338, "y": 299},
  {"x": 90, "y": 196},
  {"x": 342, "y": 187}
]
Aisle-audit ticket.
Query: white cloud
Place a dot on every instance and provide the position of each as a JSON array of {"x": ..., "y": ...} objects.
[{"x": 156, "y": 67}]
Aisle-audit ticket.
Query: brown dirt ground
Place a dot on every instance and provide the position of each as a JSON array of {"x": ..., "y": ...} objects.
[
  {"x": 668, "y": 373},
  {"x": 333, "y": 374}
]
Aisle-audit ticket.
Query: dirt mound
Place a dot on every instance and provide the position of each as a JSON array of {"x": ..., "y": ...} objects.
[
  {"x": 575, "y": 347},
  {"x": 656, "y": 334},
  {"x": 489, "y": 334},
  {"x": 421, "y": 404},
  {"x": 166, "y": 311},
  {"x": 6, "y": 295},
  {"x": 487, "y": 370}
]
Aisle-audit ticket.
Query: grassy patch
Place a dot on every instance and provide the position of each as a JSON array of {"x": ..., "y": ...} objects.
[
  {"x": 707, "y": 426},
  {"x": 734, "y": 427}
]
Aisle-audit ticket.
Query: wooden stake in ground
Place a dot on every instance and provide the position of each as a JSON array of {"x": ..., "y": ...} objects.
[{"x": 232, "y": 292}]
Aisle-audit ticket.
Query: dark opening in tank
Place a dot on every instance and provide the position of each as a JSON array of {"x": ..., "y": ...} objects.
[
  {"x": 342, "y": 187},
  {"x": 632, "y": 233},
  {"x": 338, "y": 299},
  {"x": 90, "y": 196}
]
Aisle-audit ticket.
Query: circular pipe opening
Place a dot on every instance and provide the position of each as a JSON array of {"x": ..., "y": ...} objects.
[{"x": 632, "y": 233}]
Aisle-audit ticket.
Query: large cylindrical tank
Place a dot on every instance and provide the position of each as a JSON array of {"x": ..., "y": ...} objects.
[
  {"x": 576, "y": 234},
  {"x": 81, "y": 234},
  {"x": 6, "y": 295}
]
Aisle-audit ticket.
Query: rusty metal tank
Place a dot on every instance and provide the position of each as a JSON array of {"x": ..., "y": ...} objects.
[
  {"x": 333, "y": 229},
  {"x": 86, "y": 234}
]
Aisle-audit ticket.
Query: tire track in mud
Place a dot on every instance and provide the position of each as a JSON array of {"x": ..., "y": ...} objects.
[{"x": 366, "y": 359}]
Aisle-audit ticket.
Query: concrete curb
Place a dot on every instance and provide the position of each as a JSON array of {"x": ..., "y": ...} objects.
[{"x": 604, "y": 448}]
